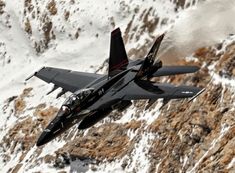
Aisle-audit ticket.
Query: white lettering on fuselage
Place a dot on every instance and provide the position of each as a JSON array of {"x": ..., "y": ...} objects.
[{"x": 100, "y": 92}]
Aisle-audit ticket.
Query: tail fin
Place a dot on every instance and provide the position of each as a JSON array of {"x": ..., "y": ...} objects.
[
  {"x": 118, "y": 58},
  {"x": 149, "y": 60}
]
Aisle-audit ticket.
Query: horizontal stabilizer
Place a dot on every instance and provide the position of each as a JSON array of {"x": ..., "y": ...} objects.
[
  {"x": 174, "y": 70},
  {"x": 144, "y": 89}
]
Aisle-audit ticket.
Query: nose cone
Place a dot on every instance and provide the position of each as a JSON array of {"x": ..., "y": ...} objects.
[
  {"x": 45, "y": 137},
  {"x": 52, "y": 130},
  {"x": 63, "y": 121}
]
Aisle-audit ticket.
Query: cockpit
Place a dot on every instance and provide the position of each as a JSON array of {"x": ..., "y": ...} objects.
[{"x": 75, "y": 99}]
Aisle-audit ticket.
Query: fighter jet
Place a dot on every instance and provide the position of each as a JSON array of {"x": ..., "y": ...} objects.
[{"x": 94, "y": 96}]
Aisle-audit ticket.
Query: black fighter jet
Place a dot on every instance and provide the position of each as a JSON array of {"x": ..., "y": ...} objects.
[{"x": 94, "y": 96}]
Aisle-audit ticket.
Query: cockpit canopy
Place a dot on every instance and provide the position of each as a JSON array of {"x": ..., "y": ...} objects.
[{"x": 75, "y": 99}]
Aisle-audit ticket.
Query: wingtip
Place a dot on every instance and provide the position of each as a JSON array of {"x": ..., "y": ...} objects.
[
  {"x": 196, "y": 95},
  {"x": 197, "y": 68},
  {"x": 32, "y": 75}
]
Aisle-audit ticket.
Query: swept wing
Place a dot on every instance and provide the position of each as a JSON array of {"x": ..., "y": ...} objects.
[{"x": 67, "y": 79}]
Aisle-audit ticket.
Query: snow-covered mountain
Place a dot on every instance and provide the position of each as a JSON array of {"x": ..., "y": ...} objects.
[{"x": 179, "y": 137}]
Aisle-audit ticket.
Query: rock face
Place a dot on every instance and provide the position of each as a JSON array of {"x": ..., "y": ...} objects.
[
  {"x": 182, "y": 136},
  {"x": 2, "y": 5}
]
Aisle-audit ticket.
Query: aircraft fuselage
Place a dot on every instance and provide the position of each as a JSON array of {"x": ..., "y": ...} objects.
[
  {"x": 96, "y": 95},
  {"x": 92, "y": 109}
]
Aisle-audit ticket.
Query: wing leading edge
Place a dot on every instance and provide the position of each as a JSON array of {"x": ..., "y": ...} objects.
[{"x": 66, "y": 79}]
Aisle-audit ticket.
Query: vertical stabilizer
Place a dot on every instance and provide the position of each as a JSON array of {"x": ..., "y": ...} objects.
[
  {"x": 118, "y": 58},
  {"x": 150, "y": 58}
]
